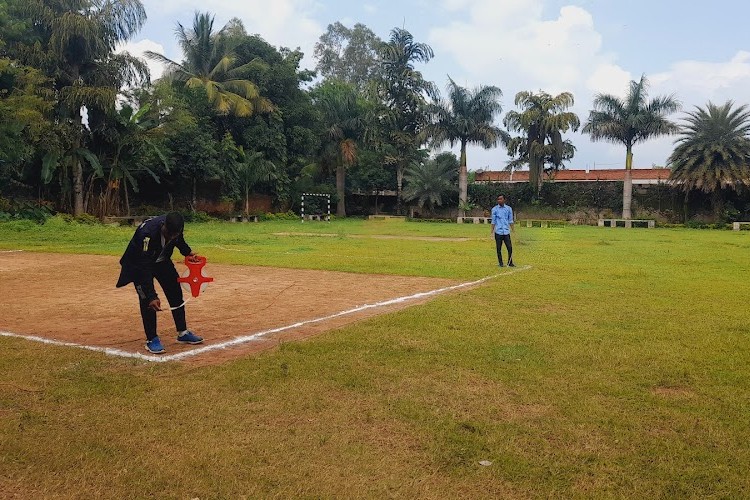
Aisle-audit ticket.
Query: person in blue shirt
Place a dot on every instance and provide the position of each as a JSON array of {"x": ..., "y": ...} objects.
[{"x": 502, "y": 225}]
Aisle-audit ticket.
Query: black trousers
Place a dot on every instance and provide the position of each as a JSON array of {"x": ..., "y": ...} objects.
[
  {"x": 499, "y": 240},
  {"x": 166, "y": 274}
]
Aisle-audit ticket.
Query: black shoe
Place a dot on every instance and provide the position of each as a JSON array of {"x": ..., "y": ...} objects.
[
  {"x": 510, "y": 264},
  {"x": 500, "y": 265}
]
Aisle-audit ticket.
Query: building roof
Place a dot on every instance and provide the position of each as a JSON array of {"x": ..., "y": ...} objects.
[{"x": 639, "y": 176}]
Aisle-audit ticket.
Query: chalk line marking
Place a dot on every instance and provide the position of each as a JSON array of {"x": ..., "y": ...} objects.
[
  {"x": 244, "y": 339},
  {"x": 10, "y": 251}
]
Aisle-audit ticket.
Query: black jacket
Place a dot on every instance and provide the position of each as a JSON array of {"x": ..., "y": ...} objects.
[{"x": 140, "y": 256}]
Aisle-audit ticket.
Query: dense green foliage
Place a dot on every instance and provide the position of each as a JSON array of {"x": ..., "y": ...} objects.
[{"x": 237, "y": 123}]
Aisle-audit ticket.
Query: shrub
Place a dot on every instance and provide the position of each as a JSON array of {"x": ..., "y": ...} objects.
[
  {"x": 87, "y": 219},
  {"x": 198, "y": 216},
  {"x": 443, "y": 221},
  {"x": 289, "y": 215},
  {"x": 24, "y": 210}
]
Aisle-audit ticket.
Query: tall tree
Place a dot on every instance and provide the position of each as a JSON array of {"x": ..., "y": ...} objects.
[
  {"x": 713, "y": 151},
  {"x": 74, "y": 41},
  {"x": 542, "y": 120},
  {"x": 467, "y": 117},
  {"x": 211, "y": 64},
  {"x": 629, "y": 121},
  {"x": 348, "y": 54},
  {"x": 405, "y": 92},
  {"x": 343, "y": 120}
]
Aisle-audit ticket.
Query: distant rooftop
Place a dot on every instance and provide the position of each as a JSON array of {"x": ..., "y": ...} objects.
[{"x": 639, "y": 176}]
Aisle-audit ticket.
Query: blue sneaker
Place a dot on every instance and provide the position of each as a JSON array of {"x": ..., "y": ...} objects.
[
  {"x": 154, "y": 346},
  {"x": 188, "y": 337}
]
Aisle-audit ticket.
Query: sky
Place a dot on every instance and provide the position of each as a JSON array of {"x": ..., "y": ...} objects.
[{"x": 698, "y": 51}]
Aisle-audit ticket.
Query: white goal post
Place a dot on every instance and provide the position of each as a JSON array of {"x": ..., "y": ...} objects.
[{"x": 328, "y": 205}]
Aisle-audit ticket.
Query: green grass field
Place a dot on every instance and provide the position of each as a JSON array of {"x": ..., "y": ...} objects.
[{"x": 618, "y": 366}]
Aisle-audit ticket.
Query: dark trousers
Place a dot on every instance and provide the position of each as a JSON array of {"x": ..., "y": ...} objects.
[
  {"x": 499, "y": 240},
  {"x": 166, "y": 274}
]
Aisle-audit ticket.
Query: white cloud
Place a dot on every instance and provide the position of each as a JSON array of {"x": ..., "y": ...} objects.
[
  {"x": 697, "y": 82},
  {"x": 609, "y": 79},
  {"x": 513, "y": 45},
  {"x": 287, "y": 23},
  {"x": 138, "y": 49}
]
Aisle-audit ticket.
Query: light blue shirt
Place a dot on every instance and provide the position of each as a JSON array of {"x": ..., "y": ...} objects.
[{"x": 502, "y": 218}]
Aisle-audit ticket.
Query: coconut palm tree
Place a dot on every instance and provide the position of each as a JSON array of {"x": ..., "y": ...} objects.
[
  {"x": 542, "y": 120},
  {"x": 713, "y": 151},
  {"x": 629, "y": 121},
  {"x": 466, "y": 117},
  {"x": 210, "y": 64},
  {"x": 77, "y": 43}
]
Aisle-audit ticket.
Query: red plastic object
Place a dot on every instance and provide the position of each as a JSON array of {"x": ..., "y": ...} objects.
[{"x": 195, "y": 277}]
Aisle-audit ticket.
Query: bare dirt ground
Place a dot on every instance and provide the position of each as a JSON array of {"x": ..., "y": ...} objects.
[{"x": 72, "y": 298}]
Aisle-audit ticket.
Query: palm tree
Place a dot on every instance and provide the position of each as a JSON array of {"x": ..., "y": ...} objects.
[
  {"x": 542, "y": 121},
  {"x": 629, "y": 121},
  {"x": 253, "y": 168},
  {"x": 78, "y": 39},
  {"x": 427, "y": 183},
  {"x": 467, "y": 117},
  {"x": 210, "y": 64},
  {"x": 404, "y": 91},
  {"x": 713, "y": 151},
  {"x": 344, "y": 127}
]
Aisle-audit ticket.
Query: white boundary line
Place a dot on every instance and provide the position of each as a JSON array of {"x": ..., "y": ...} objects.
[
  {"x": 255, "y": 336},
  {"x": 10, "y": 251}
]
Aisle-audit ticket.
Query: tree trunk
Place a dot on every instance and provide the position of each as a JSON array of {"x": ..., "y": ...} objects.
[
  {"x": 536, "y": 172},
  {"x": 717, "y": 203},
  {"x": 686, "y": 208},
  {"x": 627, "y": 186},
  {"x": 77, "y": 166},
  {"x": 195, "y": 193},
  {"x": 341, "y": 190},
  {"x": 127, "y": 197},
  {"x": 399, "y": 184},
  {"x": 463, "y": 182},
  {"x": 247, "y": 202}
]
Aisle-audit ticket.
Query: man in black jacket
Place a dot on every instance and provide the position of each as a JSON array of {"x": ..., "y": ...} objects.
[{"x": 149, "y": 256}]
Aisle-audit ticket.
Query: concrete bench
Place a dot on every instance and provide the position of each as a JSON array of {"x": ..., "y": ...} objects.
[
  {"x": 736, "y": 226},
  {"x": 316, "y": 217},
  {"x": 628, "y": 223},
  {"x": 244, "y": 218},
  {"x": 386, "y": 217},
  {"x": 474, "y": 220},
  {"x": 542, "y": 223}
]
